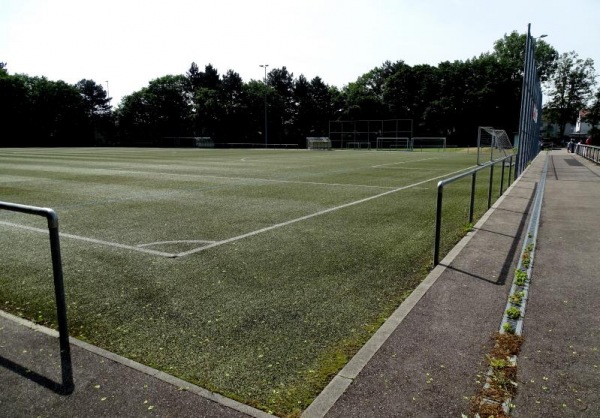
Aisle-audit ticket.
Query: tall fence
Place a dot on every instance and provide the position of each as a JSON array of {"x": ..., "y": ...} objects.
[{"x": 531, "y": 108}]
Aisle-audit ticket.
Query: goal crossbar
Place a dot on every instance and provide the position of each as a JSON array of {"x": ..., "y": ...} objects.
[{"x": 429, "y": 142}]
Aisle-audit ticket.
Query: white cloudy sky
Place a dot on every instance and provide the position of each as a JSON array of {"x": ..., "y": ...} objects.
[{"x": 130, "y": 42}]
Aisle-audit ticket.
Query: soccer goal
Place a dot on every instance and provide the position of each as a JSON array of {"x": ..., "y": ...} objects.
[
  {"x": 358, "y": 145},
  {"x": 318, "y": 143},
  {"x": 394, "y": 143},
  {"x": 359, "y": 133},
  {"x": 187, "y": 141},
  {"x": 204, "y": 142},
  {"x": 424, "y": 142},
  {"x": 492, "y": 144}
]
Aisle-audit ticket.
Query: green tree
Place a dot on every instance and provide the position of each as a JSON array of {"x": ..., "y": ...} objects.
[
  {"x": 194, "y": 77},
  {"x": 234, "y": 118},
  {"x": 156, "y": 112},
  {"x": 280, "y": 99},
  {"x": 14, "y": 110},
  {"x": 593, "y": 117},
  {"x": 510, "y": 50},
  {"x": 95, "y": 98},
  {"x": 98, "y": 109},
  {"x": 570, "y": 89}
]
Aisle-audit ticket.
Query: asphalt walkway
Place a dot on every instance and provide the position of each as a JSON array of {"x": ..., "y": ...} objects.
[{"x": 427, "y": 360}]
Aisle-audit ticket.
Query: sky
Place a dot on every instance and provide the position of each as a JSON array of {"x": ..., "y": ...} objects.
[{"x": 123, "y": 44}]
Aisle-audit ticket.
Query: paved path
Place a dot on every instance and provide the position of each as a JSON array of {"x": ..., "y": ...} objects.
[
  {"x": 559, "y": 366},
  {"x": 434, "y": 361},
  {"x": 434, "y": 358}
]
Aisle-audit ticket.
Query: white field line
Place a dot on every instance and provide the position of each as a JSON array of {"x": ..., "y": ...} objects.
[
  {"x": 405, "y": 162},
  {"x": 303, "y": 218},
  {"x": 248, "y": 179},
  {"x": 92, "y": 240},
  {"x": 212, "y": 244},
  {"x": 186, "y": 241}
]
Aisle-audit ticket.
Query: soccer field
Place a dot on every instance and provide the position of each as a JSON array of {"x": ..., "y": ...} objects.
[{"x": 254, "y": 273}]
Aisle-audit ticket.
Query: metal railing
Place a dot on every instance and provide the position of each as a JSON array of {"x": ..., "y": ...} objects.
[
  {"x": 588, "y": 152},
  {"x": 59, "y": 289},
  {"x": 473, "y": 174}
]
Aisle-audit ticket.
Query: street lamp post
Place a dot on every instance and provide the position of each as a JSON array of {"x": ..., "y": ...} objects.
[{"x": 265, "y": 81}]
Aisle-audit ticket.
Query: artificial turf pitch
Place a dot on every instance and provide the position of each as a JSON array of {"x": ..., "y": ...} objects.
[{"x": 254, "y": 273}]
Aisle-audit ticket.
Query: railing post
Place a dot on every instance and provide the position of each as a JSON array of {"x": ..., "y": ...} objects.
[
  {"x": 472, "y": 203},
  {"x": 61, "y": 305},
  {"x": 67, "y": 385},
  {"x": 502, "y": 180},
  {"x": 510, "y": 170},
  {"x": 490, "y": 186},
  {"x": 438, "y": 224}
]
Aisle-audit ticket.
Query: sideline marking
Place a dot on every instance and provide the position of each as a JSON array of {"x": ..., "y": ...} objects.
[
  {"x": 404, "y": 162},
  {"x": 184, "y": 241},
  {"x": 92, "y": 240},
  {"x": 312, "y": 215}
]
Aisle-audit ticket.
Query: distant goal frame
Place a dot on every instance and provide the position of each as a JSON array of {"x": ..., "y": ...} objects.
[
  {"x": 346, "y": 134},
  {"x": 392, "y": 143},
  {"x": 429, "y": 142},
  {"x": 318, "y": 143}
]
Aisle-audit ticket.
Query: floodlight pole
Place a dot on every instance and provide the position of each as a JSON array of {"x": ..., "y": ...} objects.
[
  {"x": 107, "y": 91},
  {"x": 265, "y": 81}
]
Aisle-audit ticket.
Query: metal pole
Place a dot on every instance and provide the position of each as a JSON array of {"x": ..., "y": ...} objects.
[
  {"x": 502, "y": 180},
  {"x": 523, "y": 113},
  {"x": 490, "y": 186},
  {"x": 472, "y": 204},
  {"x": 61, "y": 305},
  {"x": 265, "y": 81},
  {"x": 438, "y": 225},
  {"x": 67, "y": 386},
  {"x": 510, "y": 170}
]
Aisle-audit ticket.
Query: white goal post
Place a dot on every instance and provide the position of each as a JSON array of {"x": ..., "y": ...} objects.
[
  {"x": 492, "y": 144},
  {"x": 318, "y": 143},
  {"x": 421, "y": 142},
  {"x": 402, "y": 143}
]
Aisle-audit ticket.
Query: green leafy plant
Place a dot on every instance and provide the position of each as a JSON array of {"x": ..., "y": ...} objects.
[
  {"x": 468, "y": 227},
  {"x": 520, "y": 277},
  {"x": 516, "y": 298},
  {"x": 497, "y": 363},
  {"x": 513, "y": 312},
  {"x": 508, "y": 328}
]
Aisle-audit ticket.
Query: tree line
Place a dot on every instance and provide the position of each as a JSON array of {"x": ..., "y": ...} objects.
[{"x": 451, "y": 99}]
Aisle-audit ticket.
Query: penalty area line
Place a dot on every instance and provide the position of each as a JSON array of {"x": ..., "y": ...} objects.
[
  {"x": 92, "y": 240},
  {"x": 405, "y": 162},
  {"x": 312, "y": 215}
]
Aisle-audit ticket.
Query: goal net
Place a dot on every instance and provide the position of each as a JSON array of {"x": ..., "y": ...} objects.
[
  {"x": 318, "y": 143},
  {"x": 358, "y": 145},
  {"x": 394, "y": 143},
  {"x": 359, "y": 133},
  {"x": 187, "y": 141},
  {"x": 492, "y": 144},
  {"x": 424, "y": 142},
  {"x": 204, "y": 142}
]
